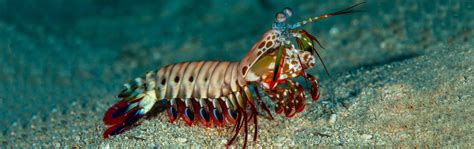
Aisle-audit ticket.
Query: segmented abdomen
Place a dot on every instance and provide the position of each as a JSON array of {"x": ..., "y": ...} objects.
[
  {"x": 204, "y": 89},
  {"x": 203, "y": 79}
]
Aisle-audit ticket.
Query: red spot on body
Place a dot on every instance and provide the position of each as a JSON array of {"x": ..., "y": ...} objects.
[
  {"x": 269, "y": 44},
  {"x": 244, "y": 69},
  {"x": 261, "y": 44}
]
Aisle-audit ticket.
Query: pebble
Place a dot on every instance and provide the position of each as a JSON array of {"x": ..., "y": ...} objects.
[
  {"x": 105, "y": 145},
  {"x": 57, "y": 144},
  {"x": 366, "y": 137},
  {"x": 181, "y": 140},
  {"x": 332, "y": 119}
]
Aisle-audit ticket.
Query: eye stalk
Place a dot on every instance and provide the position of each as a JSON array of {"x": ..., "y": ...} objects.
[{"x": 280, "y": 19}]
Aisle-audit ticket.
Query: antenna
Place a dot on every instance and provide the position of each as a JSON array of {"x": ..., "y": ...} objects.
[{"x": 347, "y": 10}]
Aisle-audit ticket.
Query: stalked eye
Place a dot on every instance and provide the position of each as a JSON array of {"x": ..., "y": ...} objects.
[
  {"x": 280, "y": 17},
  {"x": 288, "y": 11}
]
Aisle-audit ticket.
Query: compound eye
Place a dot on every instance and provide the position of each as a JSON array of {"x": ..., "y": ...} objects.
[
  {"x": 280, "y": 17},
  {"x": 288, "y": 11}
]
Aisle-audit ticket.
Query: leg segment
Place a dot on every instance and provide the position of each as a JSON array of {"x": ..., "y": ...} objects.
[
  {"x": 299, "y": 95},
  {"x": 260, "y": 102},
  {"x": 314, "y": 86}
]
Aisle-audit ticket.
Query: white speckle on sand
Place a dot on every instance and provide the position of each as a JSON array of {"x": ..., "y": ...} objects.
[
  {"x": 181, "y": 140},
  {"x": 332, "y": 119},
  {"x": 57, "y": 144},
  {"x": 366, "y": 137},
  {"x": 105, "y": 145}
]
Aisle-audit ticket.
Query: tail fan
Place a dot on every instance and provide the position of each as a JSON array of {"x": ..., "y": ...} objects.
[{"x": 136, "y": 102}]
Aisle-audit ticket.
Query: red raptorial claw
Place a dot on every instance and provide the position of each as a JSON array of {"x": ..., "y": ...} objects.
[
  {"x": 300, "y": 104},
  {"x": 300, "y": 108},
  {"x": 300, "y": 98},
  {"x": 278, "y": 108},
  {"x": 314, "y": 87},
  {"x": 289, "y": 107},
  {"x": 314, "y": 91},
  {"x": 289, "y": 111}
]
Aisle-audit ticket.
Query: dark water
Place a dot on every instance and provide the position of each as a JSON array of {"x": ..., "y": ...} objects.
[{"x": 55, "y": 53}]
